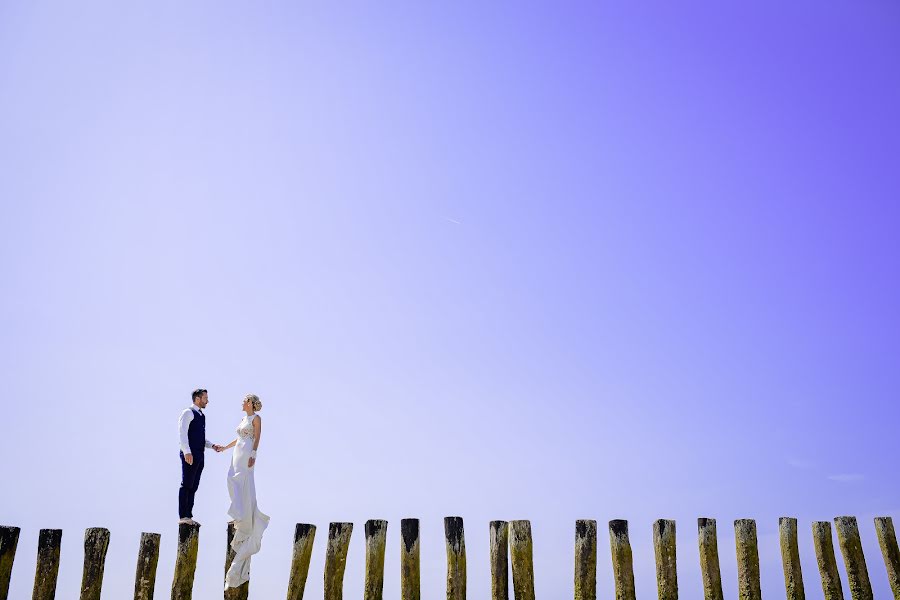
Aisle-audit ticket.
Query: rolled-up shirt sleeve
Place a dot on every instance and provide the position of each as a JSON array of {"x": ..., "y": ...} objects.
[
  {"x": 183, "y": 423},
  {"x": 209, "y": 444}
]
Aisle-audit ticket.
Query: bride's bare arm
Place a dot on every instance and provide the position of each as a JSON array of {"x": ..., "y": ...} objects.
[
  {"x": 230, "y": 445},
  {"x": 257, "y": 431}
]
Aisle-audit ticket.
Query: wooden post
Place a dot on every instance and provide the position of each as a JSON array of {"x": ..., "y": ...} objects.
[
  {"x": 455, "y": 537},
  {"x": 304, "y": 536},
  {"x": 790, "y": 559},
  {"x": 747, "y": 559},
  {"x": 664, "y": 548},
  {"x": 9, "y": 540},
  {"x": 854, "y": 560},
  {"x": 887, "y": 539},
  {"x": 585, "y": 560},
  {"x": 499, "y": 539},
  {"x": 145, "y": 574},
  {"x": 49, "y": 542},
  {"x": 376, "y": 537},
  {"x": 831, "y": 579},
  {"x": 709, "y": 559},
  {"x": 520, "y": 555},
  {"x": 623, "y": 566},
  {"x": 336, "y": 559},
  {"x": 96, "y": 543},
  {"x": 185, "y": 561},
  {"x": 409, "y": 560},
  {"x": 241, "y": 592}
]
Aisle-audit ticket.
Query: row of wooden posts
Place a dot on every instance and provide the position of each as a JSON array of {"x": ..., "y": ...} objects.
[{"x": 510, "y": 545}]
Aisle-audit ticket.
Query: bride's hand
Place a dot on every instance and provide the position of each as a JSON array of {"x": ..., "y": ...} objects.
[{"x": 251, "y": 462}]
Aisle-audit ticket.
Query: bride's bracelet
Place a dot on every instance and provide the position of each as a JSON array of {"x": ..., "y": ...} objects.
[{"x": 253, "y": 454}]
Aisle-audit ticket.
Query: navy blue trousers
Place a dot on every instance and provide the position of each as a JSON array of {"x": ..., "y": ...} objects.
[{"x": 190, "y": 481}]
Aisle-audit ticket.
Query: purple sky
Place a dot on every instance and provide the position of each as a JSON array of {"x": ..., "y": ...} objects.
[{"x": 507, "y": 261}]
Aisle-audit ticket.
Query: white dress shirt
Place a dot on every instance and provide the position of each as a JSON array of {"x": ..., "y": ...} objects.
[{"x": 183, "y": 423}]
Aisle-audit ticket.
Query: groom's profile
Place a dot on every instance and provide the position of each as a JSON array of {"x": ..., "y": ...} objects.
[{"x": 192, "y": 438}]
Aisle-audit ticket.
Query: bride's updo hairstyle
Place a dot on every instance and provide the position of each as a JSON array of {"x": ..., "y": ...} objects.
[{"x": 255, "y": 402}]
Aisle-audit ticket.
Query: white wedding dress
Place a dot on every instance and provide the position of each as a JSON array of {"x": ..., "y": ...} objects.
[{"x": 249, "y": 522}]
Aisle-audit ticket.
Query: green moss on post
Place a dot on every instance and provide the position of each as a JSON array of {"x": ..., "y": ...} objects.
[
  {"x": 185, "y": 561},
  {"x": 499, "y": 534},
  {"x": 304, "y": 536},
  {"x": 664, "y": 549},
  {"x": 9, "y": 540},
  {"x": 376, "y": 536},
  {"x": 456, "y": 558},
  {"x": 790, "y": 559},
  {"x": 520, "y": 555},
  {"x": 622, "y": 561},
  {"x": 96, "y": 543},
  {"x": 887, "y": 539},
  {"x": 707, "y": 540},
  {"x": 336, "y": 559},
  {"x": 854, "y": 560},
  {"x": 585, "y": 560},
  {"x": 409, "y": 560},
  {"x": 47, "y": 570},
  {"x": 831, "y": 579},
  {"x": 148, "y": 559},
  {"x": 241, "y": 592},
  {"x": 747, "y": 559}
]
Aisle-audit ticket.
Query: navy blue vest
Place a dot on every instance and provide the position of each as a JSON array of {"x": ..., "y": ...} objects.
[{"x": 197, "y": 433}]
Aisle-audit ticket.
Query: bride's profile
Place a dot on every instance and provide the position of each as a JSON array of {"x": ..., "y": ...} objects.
[{"x": 249, "y": 522}]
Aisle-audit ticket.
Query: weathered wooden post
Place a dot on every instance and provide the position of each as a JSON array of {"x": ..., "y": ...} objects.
[
  {"x": 409, "y": 560},
  {"x": 185, "y": 561},
  {"x": 49, "y": 542},
  {"x": 499, "y": 560},
  {"x": 887, "y": 539},
  {"x": 854, "y": 560},
  {"x": 456, "y": 558},
  {"x": 336, "y": 559},
  {"x": 747, "y": 559},
  {"x": 145, "y": 574},
  {"x": 520, "y": 555},
  {"x": 622, "y": 561},
  {"x": 241, "y": 592},
  {"x": 304, "y": 536},
  {"x": 96, "y": 543},
  {"x": 9, "y": 540},
  {"x": 790, "y": 559},
  {"x": 709, "y": 559},
  {"x": 831, "y": 579},
  {"x": 585, "y": 559},
  {"x": 664, "y": 549},
  {"x": 376, "y": 537}
]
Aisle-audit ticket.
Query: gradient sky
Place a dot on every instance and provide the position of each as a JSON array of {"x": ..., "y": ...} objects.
[{"x": 504, "y": 260}]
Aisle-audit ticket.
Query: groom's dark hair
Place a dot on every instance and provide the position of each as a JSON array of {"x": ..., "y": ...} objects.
[{"x": 197, "y": 393}]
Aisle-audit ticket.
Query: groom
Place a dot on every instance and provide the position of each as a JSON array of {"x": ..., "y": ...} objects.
[{"x": 192, "y": 433}]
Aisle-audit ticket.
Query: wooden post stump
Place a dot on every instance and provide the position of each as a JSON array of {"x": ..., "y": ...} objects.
[
  {"x": 185, "y": 561},
  {"x": 709, "y": 559},
  {"x": 747, "y": 559},
  {"x": 376, "y": 538},
  {"x": 304, "y": 536},
  {"x": 96, "y": 543},
  {"x": 336, "y": 559},
  {"x": 854, "y": 560},
  {"x": 499, "y": 540},
  {"x": 887, "y": 539},
  {"x": 622, "y": 561},
  {"x": 410, "y": 569},
  {"x": 790, "y": 559},
  {"x": 456, "y": 558},
  {"x": 241, "y": 592},
  {"x": 9, "y": 540},
  {"x": 831, "y": 579},
  {"x": 49, "y": 542},
  {"x": 148, "y": 559},
  {"x": 585, "y": 560},
  {"x": 521, "y": 559},
  {"x": 664, "y": 549}
]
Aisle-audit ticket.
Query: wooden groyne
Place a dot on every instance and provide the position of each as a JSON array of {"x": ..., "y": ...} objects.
[{"x": 511, "y": 545}]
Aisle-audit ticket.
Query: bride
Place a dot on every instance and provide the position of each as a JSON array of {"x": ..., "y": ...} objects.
[{"x": 249, "y": 522}]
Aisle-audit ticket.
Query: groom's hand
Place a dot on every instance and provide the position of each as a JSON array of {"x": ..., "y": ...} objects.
[
  {"x": 189, "y": 459},
  {"x": 217, "y": 447}
]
